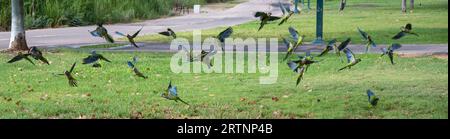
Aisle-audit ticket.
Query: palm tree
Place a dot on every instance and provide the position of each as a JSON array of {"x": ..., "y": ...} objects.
[
  {"x": 17, "y": 40},
  {"x": 411, "y": 2},
  {"x": 404, "y": 6}
]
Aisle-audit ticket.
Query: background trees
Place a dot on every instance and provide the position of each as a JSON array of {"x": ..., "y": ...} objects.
[
  {"x": 55, "y": 13},
  {"x": 17, "y": 41}
]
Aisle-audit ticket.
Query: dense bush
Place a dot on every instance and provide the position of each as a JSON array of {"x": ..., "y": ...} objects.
[{"x": 54, "y": 13}]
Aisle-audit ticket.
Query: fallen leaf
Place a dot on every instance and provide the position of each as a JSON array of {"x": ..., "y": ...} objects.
[
  {"x": 242, "y": 99},
  {"x": 275, "y": 99}
]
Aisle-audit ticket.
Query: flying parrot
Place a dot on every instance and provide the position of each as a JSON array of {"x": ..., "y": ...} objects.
[
  {"x": 172, "y": 94},
  {"x": 351, "y": 59},
  {"x": 404, "y": 31},
  {"x": 169, "y": 33},
  {"x": 287, "y": 13},
  {"x": 131, "y": 37},
  {"x": 102, "y": 32},
  {"x": 368, "y": 39},
  {"x": 265, "y": 18},
  {"x": 390, "y": 51}
]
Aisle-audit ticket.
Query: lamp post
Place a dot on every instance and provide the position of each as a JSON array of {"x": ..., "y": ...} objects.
[{"x": 319, "y": 24}]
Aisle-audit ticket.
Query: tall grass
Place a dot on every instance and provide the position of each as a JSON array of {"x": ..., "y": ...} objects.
[{"x": 54, "y": 13}]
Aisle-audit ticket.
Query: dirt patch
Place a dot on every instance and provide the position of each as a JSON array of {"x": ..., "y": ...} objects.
[
  {"x": 441, "y": 56},
  {"x": 438, "y": 55}
]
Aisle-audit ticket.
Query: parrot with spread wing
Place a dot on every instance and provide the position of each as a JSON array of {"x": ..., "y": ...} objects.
[
  {"x": 169, "y": 33},
  {"x": 93, "y": 58},
  {"x": 373, "y": 99},
  {"x": 390, "y": 51},
  {"x": 287, "y": 13},
  {"x": 406, "y": 30},
  {"x": 37, "y": 54},
  {"x": 131, "y": 37},
  {"x": 69, "y": 76},
  {"x": 20, "y": 56},
  {"x": 131, "y": 64},
  {"x": 265, "y": 18},
  {"x": 368, "y": 39},
  {"x": 300, "y": 70},
  {"x": 204, "y": 56},
  {"x": 330, "y": 46},
  {"x": 224, "y": 35},
  {"x": 293, "y": 45},
  {"x": 102, "y": 32},
  {"x": 351, "y": 59},
  {"x": 341, "y": 47},
  {"x": 172, "y": 94}
]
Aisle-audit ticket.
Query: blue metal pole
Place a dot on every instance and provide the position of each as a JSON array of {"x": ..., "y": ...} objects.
[
  {"x": 296, "y": 6},
  {"x": 319, "y": 24}
]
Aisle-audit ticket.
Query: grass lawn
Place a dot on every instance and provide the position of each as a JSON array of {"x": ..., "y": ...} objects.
[
  {"x": 414, "y": 88},
  {"x": 381, "y": 18}
]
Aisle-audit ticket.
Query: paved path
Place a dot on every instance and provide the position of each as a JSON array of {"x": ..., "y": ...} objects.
[
  {"x": 77, "y": 36},
  {"x": 407, "y": 49}
]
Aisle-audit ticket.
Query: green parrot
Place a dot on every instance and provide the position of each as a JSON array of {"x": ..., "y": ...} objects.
[
  {"x": 204, "y": 56},
  {"x": 406, "y": 30},
  {"x": 292, "y": 46},
  {"x": 300, "y": 70},
  {"x": 330, "y": 46},
  {"x": 390, "y": 51},
  {"x": 169, "y": 33},
  {"x": 351, "y": 59},
  {"x": 265, "y": 18},
  {"x": 224, "y": 35},
  {"x": 368, "y": 39},
  {"x": 102, "y": 32},
  {"x": 135, "y": 70},
  {"x": 341, "y": 47},
  {"x": 373, "y": 99},
  {"x": 172, "y": 94},
  {"x": 21, "y": 56},
  {"x": 131, "y": 37},
  {"x": 287, "y": 13}
]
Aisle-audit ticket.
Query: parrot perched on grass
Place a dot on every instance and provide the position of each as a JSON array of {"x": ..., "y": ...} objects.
[
  {"x": 390, "y": 51},
  {"x": 406, "y": 30},
  {"x": 131, "y": 37},
  {"x": 293, "y": 45},
  {"x": 287, "y": 13},
  {"x": 102, "y": 32},
  {"x": 169, "y": 33},
  {"x": 265, "y": 18},
  {"x": 351, "y": 59},
  {"x": 373, "y": 99},
  {"x": 172, "y": 94},
  {"x": 368, "y": 39}
]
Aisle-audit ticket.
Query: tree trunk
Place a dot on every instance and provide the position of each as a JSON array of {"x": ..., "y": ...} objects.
[
  {"x": 17, "y": 40},
  {"x": 412, "y": 5},
  {"x": 404, "y": 6}
]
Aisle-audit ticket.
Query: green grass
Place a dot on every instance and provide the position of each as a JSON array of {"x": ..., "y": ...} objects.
[
  {"x": 414, "y": 88},
  {"x": 382, "y": 19}
]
